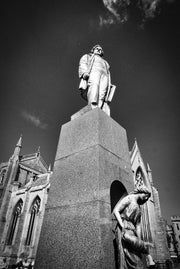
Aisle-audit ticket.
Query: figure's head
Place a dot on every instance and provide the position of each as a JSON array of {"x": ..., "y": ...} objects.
[
  {"x": 143, "y": 194},
  {"x": 97, "y": 49}
]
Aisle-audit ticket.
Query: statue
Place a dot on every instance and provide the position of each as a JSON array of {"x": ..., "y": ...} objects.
[
  {"x": 127, "y": 229},
  {"x": 95, "y": 84}
]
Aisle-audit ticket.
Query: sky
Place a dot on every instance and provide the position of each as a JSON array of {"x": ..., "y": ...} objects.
[{"x": 41, "y": 43}]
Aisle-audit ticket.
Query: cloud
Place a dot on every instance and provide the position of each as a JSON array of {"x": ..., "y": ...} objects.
[
  {"x": 34, "y": 120},
  {"x": 106, "y": 21},
  {"x": 149, "y": 8},
  {"x": 112, "y": 5},
  {"x": 119, "y": 11}
]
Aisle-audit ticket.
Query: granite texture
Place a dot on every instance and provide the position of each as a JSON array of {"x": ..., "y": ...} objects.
[
  {"x": 92, "y": 153},
  {"x": 93, "y": 128},
  {"x": 81, "y": 112},
  {"x": 76, "y": 237}
]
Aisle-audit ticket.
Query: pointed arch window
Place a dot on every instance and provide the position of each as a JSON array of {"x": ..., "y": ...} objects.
[
  {"x": 14, "y": 220},
  {"x": 139, "y": 179},
  {"x": 33, "y": 215},
  {"x": 2, "y": 176}
]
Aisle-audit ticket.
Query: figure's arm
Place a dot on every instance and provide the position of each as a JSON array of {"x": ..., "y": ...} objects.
[
  {"x": 119, "y": 207},
  {"x": 138, "y": 229},
  {"x": 84, "y": 66}
]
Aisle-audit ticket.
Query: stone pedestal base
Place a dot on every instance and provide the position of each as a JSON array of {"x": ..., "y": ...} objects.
[{"x": 92, "y": 153}]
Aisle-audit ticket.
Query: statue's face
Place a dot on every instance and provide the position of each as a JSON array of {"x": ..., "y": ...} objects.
[
  {"x": 143, "y": 197},
  {"x": 98, "y": 50}
]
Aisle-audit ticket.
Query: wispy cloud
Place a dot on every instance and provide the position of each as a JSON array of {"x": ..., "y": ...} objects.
[
  {"x": 34, "y": 120},
  {"x": 109, "y": 20},
  {"x": 118, "y": 11},
  {"x": 112, "y": 6}
]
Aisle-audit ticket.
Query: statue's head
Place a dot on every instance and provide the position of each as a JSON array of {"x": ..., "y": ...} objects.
[
  {"x": 97, "y": 49},
  {"x": 143, "y": 193}
]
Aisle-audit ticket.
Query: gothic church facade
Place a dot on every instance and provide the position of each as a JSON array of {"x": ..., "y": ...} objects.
[
  {"x": 24, "y": 185},
  {"x": 153, "y": 225}
]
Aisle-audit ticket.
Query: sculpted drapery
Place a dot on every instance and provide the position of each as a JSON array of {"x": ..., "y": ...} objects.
[{"x": 127, "y": 229}]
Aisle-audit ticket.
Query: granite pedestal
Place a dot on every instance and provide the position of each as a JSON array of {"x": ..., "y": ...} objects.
[{"x": 92, "y": 153}]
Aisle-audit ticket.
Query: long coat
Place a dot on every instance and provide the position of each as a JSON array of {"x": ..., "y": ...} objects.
[{"x": 99, "y": 77}]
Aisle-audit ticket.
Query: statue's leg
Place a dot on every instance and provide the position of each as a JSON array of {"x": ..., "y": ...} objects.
[
  {"x": 102, "y": 93},
  {"x": 106, "y": 108},
  {"x": 132, "y": 241},
  {"x": 120, "y": 252},
  {"x": 93, "y": 89},
  {"x": 134, "y": 247},
  {"x": 126, "y": 258}
]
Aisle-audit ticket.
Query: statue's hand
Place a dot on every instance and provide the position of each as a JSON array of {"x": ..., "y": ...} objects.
[
  {"x": 85, "y": 76},
  {"x": 150, "y": 244}
]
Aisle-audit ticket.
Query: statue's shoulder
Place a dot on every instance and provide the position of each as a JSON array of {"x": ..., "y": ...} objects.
[
  {"x": 108, "y": 66},
  {"x": 85, "y": 57},
  {"x": 127, "y": 199}
]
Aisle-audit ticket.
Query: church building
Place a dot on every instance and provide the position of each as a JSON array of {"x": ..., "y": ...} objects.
[
  {"x": 24, "y": 185},
  {"x": 173, "y": 237},
  {"x": 153, "y": 225}
]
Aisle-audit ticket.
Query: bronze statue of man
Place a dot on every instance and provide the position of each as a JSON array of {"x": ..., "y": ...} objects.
[
  {"x": 95, "y": 84},
  {"x": 127, "y": 230}
]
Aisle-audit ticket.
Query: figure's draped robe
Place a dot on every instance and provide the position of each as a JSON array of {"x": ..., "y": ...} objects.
[{"x": 129, "y": 245}]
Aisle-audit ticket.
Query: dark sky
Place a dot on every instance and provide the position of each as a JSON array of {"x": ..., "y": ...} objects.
[{"x": 41, "y": 43}]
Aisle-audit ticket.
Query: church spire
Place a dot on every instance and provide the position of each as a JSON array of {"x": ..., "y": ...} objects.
[
  {"x": 148, "y": 168},
  {"x": 18, "y": 147},
  {"x": 149, "y": 172},
  {"x": 136, "y": 143},
  {"x": 38, "y": 151},
  {"x": 49, "y": 168}
]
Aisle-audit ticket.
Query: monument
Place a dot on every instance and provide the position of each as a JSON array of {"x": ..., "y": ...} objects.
[
  {"x": 95, "y": 84},
  {"x": 92, "y": 171}
]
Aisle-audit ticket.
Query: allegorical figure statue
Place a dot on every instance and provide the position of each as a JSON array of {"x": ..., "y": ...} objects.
[
  {"x": 127, "y": 229},
  {"x": 95, "y": 84}
]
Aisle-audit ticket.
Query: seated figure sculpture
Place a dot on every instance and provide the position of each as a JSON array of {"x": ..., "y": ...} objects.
[
  {"x": 127, "y": 229},
  {"x": 95, "y": 84}
]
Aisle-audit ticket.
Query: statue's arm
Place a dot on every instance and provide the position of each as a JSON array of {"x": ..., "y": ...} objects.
[
  {"x": 138, "y": 229},
  {"x": 83, "y": 66},
  {"x": 119, "y": 207}
]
